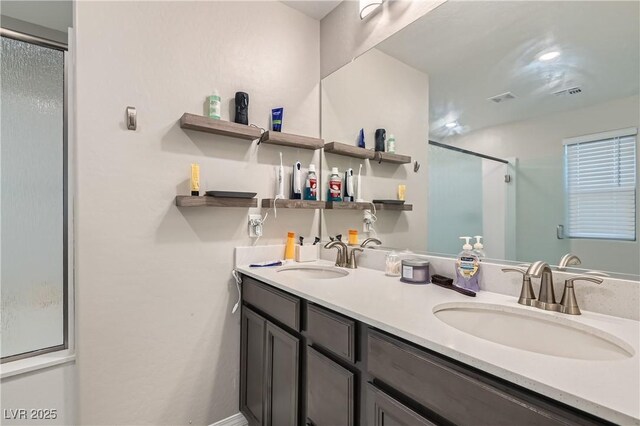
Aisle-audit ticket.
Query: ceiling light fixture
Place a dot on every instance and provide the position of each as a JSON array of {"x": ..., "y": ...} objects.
[
  {"x": 451, "y": 124},
  {"x": 549, "y": 56},
  {"x": 368, "y": 6}
]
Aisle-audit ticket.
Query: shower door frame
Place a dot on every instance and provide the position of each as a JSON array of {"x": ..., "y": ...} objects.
[{"x": 64, "y": 48}]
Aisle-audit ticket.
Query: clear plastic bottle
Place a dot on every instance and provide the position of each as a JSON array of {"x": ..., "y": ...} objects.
[
  {"x": 391, "y": 144},
  {"x": 215, "y": 105}
]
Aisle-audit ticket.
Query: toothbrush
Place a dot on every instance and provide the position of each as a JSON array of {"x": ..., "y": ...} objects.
[
  {"x": 359, "y": 186},
  {"x": 280, "y": 180}
]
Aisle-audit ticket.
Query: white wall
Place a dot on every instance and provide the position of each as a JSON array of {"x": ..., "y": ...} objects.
[
  {"x": 157, "y": 343},
  {"x": 49, "y": 389},
  {"x": 344, "y": 36},
  {"x": 537, "y": 143},
  {"x": 378, "y": 91}
]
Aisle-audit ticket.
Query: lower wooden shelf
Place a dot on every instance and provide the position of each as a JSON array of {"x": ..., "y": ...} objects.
[
  {"x": 207, "y": 201},
  {"x": 292, "y": 204},
  {"x": 341, "y": 205}
]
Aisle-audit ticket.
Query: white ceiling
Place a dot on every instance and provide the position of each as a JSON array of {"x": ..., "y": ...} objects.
[
  {"x": 56, "y": 15},
  {"x": 316, "y": 9},
  {"x": 476, "y": 50}
]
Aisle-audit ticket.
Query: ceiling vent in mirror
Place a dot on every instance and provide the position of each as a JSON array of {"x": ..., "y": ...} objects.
[
  {"x": 503, "y": 97},
  {"x": 570, "y": 91}
]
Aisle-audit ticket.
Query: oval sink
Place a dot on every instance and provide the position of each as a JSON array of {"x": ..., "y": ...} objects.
[
  {"x": 533, "y": 331},
  {"x": 314, "y": 272}
]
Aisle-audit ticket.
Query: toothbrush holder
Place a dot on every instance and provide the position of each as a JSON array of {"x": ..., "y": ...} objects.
[{"x": 307, "y": 253}]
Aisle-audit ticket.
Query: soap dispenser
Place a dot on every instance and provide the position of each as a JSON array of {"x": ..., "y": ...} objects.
[
  {"x": 478, "y": 247},
  {"x": 467, "y": 267}
]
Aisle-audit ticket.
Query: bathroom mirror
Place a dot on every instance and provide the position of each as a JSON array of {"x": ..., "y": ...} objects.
[{"x": 532, "y": 124}]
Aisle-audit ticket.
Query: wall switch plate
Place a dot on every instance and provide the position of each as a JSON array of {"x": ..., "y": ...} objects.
[{"x": 255, "y": 225}]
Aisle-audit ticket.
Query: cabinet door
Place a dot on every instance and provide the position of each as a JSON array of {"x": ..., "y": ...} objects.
[
  {"x": 382, "y": 410},
  {"x": 282, "y": 371},
  {"x": 329, "y": 391},
  {"x": 252, "y": 366}
]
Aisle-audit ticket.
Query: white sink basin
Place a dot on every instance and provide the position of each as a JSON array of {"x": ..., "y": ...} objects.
[
  {"x": 533, "y": 331},
  {"x": 314, "y": 272}
]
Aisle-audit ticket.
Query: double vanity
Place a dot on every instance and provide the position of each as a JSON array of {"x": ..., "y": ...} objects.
[{"x": 323, "y": 345}]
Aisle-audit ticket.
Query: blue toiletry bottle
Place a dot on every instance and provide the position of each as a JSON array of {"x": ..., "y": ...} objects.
[
  {"x": 467, "y": 268},
  {"x": 361, "y": 139}
]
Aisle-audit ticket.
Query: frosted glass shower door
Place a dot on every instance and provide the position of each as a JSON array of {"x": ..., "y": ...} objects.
[
  {"x": 455, "y": 199},
  {"x": 32, "y": 187}
]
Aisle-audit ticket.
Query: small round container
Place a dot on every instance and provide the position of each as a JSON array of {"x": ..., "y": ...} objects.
[{"x": 415, "y": 271}]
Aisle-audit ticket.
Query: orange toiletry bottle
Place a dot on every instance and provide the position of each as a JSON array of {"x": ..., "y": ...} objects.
[
  {"x": 290, "y": 248},
  {"x": 353, "y": 237}
]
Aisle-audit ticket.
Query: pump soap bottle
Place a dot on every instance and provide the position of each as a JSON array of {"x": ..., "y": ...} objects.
[
  {"x": 478, "y": 247},
  {"x": 467, "y": 268}
]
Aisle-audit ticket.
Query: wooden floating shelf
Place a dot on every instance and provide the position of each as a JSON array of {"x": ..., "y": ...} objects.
[
  {"x": 241, "y": 131},
  {"x": 207, "y": 201},
  {"x": 341, "y": 205},
  {"x": 394, "y": 207},
  {"x": 218, "y": 127},
  {"x": 344, "y": 205},
  {"x": 292, "y": 204},
  {"x": 349, "y": 151},
  {"x": 389, "y": 157},
  {"x": 287, "y": 139},
  {"x": 366, "y": 154}
]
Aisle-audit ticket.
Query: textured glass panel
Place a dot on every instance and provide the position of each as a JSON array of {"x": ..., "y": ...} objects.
[
  {"x": 455, "y": 199},
  {"x": 32, "y": 153}
]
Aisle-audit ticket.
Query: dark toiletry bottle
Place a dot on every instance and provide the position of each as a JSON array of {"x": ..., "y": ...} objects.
[
  {"x": 381, "y": 134},
  {"x": 242, "y": 108}
]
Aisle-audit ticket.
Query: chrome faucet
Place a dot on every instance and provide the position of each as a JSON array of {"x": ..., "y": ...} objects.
[
  {"x": 346, "y": 258},
  {"x": 341, "y": 258},
  {"x": 546, "y": 296},
  {"x": 370, "y": 240},
  {"x": 568, "y": 259}
]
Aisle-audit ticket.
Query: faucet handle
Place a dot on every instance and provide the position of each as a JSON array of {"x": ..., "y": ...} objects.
[
  {"x": 352, "y": 258},
  {"x": 527, "y": 296},
  {"x": 569, "y": 304}
]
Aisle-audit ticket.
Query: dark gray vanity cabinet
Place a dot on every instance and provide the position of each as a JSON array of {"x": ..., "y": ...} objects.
[
  {"x": 383, "y": 410},
  {"x": 302, "y": 363},
  {"x": 269, "y": 372},
  {"x": 252, "y": 362},
  {"x": 282, "y": 375},
  {"x": 269, "y": 356},
  {"x": 330, "y": 391}
]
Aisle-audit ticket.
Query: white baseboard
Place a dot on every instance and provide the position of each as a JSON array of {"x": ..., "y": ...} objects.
[{"x": 235, "y": 420}]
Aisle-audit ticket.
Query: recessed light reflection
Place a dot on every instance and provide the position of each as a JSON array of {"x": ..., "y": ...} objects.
[
  {"x": 549, "y": 56},
  {"x": 451, "y": 124}
]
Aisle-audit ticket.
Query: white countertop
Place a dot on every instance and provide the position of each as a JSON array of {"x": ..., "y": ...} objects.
[{"x": 607, "y": 389}]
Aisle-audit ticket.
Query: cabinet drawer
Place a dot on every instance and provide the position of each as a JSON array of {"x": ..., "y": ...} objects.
[
  {"x": 443, "y": 388},
  {"x": 331, "y": 331},
  {"x": 278, "y": 304},
  {"x": 383, "y": 410},
  {"x": 330, "y": 391}
]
